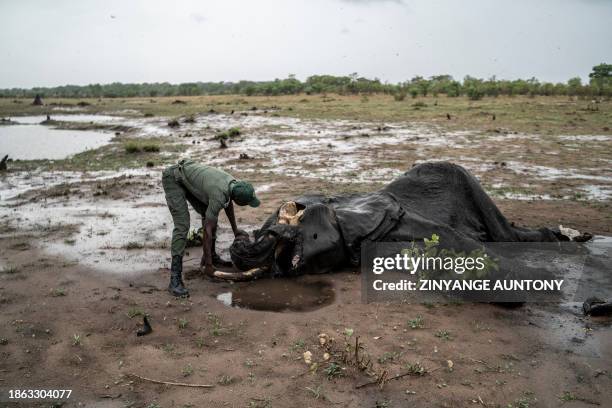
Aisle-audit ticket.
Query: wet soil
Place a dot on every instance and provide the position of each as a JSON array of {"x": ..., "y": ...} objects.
[
  {"x": 300, "y": 294},
  {"x": 83, "y": 255}
]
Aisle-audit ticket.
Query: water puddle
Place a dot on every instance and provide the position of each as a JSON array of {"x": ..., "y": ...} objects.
[
  {"x": 301, "y": 294},
  {"x": 29, "y": 140},
  {"x": 33, "y": 142}
]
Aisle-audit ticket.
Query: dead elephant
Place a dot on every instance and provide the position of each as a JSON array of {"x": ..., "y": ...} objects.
[{"x": 317, "y": 234}]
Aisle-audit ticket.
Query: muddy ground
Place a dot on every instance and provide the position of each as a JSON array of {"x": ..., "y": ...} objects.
[{"x": 84, "y": 252}]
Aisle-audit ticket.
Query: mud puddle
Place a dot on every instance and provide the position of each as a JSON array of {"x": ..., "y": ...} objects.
[{"x": 301, "y": 294}]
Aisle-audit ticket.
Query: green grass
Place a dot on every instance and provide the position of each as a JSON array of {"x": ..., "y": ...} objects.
[
  {"x": 135, "y": 311},
  {"x": 416, "y": 323},
  {"x": 133, "y": 245},
  {"x": 132, "y": 147},
  {"x": 443, "y": 334},
  {"x": 10, "y": 270},
  {"x": 58, "y": 292},
  {"x": 333, "y": 370},
  {"x": 520, "y": 113}
]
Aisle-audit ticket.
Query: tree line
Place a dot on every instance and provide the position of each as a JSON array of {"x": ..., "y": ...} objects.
[{"x": 599, "y": 84}]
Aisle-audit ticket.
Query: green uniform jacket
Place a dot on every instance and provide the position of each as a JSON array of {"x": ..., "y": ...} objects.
[{"x": 206, "y": 188}]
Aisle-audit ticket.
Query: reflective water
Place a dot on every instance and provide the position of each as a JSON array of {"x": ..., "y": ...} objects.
[
  {"x": 31, "y": 141},
  {"x": 281, "y": 295}
]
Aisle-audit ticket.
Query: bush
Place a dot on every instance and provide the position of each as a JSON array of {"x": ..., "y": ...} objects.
[
  {"x": 135, "y": 147},
  {"x": 132, "y": 147},
  {"x": 400, "y": 95},
  {"x": 475, "y": 93},
  {"x": 150, "y": 148}
]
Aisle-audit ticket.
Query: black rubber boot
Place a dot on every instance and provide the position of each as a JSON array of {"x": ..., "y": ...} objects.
[{"x": 176, "y": 286}]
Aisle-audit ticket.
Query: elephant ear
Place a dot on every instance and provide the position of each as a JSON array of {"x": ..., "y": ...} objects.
[{"x": 365, "y": 216}]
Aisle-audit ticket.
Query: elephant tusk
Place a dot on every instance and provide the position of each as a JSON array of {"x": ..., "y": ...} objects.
[{"x": 251, "y": 274}]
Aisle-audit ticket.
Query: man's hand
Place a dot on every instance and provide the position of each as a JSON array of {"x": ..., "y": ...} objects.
[{"x": 207, "y": 270}]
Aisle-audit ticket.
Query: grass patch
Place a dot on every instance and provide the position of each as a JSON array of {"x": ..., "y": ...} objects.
[
  {"x": 10, "y": 270},
  {"x": 416, "y": 369},
  {"x": 58, "y": 292},
  {"x": 133, "y": 245},
  {"x": 333, "y": 371},
  {"x": 416, "y": 323},
  {"x": 443, "y": 334},
  {"x": 133, "y": 147},
  {"x": 134, "y": 312}
]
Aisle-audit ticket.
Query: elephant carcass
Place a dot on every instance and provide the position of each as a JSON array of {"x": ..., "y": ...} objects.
[{"x": 440, "y": 198}]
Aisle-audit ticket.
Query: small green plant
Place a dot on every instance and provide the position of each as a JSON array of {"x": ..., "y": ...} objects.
[
  {"x": 416, "y": 369},
  {"x": 388, "y": 356},
  {"x": 182, "y": 323},
  {"x": 443, "y": 334},
  {"x": 299, "y": 344},
  {"x": 333, "y": 370},
  {"x": 187, "y": 370},
  {"x": 58, "y": 292},
  {"x": 135, "y": 311},
  {"x": 348, "y": 332},
  {"x": 70, "y": 241},
  {"x": 200, "y": 343},
  {"x": 316, "y": 392},
  {"x": 169, "y": 348},
  {"x": 76, "y": 339},
  {"x": 416, "y": 323},
  {"x": 382, "y": 404},
  {"x": 233, "y": 132},
  {"x": 226, "y": 380},
  {"x": 10, "y": 270},
  {"x": 249, "y": 363},
  {"x": 217, "y": 329},
  {"x": 568, "y": 396}
]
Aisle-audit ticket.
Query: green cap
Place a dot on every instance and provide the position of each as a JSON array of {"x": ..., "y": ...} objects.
[{"x": 243, "y": 193}]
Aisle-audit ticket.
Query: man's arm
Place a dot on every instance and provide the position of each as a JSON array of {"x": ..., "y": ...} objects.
[
  {"x": 229, "y": 211},
  {"x": 209, "y": 226}
]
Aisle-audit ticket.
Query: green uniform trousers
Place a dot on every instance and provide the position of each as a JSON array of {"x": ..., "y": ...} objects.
[{"x": 177, "y": 197}]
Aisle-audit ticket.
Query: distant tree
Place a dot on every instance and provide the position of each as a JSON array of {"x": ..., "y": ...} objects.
[{"x": 601, "y": 79}]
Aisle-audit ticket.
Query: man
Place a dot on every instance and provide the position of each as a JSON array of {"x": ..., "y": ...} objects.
[{"x": 208, "y": 190}]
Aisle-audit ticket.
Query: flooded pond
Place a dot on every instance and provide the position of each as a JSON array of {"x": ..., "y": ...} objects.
[
  {"x": 280, "y": 295},
  {"x": 31, "y": 141}
]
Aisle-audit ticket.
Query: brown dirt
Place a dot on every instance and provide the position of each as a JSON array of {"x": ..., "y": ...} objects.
[{"x": 254, "y": 358}]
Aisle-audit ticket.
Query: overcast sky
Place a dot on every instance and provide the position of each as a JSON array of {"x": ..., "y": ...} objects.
[{"x": 48, "y": 43}]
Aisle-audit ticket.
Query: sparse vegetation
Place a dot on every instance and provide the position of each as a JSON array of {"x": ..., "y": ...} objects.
[
  {"x": 416, "y": 323},
  {"x": 132, "y": 147},
  {"x": 76, "y": 339},
  {"x": 10, "y": 270},
  {"x": 58, "y": 292},
  {"x": 416, "y": 369},
  {"x": 333, "y": 370},
  {"x": 133, "y": 245},
  {"x": 443, "y": 334},
  {"x": 226, "y": 380},
  {"x": 187, "y": 370},
  {"x": 135, "y": 311}
]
